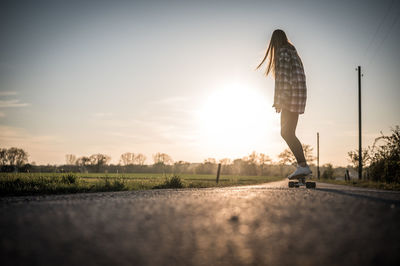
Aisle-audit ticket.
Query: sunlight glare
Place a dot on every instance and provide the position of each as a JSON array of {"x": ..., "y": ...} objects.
[{"x": 236, "y": 119}]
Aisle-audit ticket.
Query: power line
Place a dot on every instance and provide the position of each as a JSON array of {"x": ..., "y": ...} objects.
[
  {"x": 372, "y": 40},
  {"x": 386, "y": 36}
]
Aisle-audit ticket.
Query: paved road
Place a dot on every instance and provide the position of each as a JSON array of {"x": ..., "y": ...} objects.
[{"x": 267, "y": 224}]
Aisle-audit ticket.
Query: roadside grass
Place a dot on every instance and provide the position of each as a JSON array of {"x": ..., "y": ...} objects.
[
  {"x": 363, "y": 183},
  {"x": 17, "y": 184}
]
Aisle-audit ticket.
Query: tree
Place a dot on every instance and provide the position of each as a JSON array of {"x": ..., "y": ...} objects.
[
  {"x": 210, "y": 161},
  {"x": 99, "y": 160},
  {"x": 82, "y": 161},
  {"x": 239, "y": 166},
  {"x": 252, "y": 158},
  {"x": 249, "y": 164},
  {"x": 262, "y": 160},
  {"x": 308, "y": 153},
  {"x": 225, "y": 161},
  {"x": 354, "y": 155},
  {"x": 140, "y": 159},
  {"x": 181, "y": 166},
  {"x": 385, "y": 159},
  {"x": 127, "y": 158},
  {"x": 70, "y": 159},
  {"x": 16, "y": 157},
  {"x": 162, "y": 158},
  {"x": 287, "y": 157},
  {"x": 207, "y": 167},
  {"x": 3, "y": 157}
]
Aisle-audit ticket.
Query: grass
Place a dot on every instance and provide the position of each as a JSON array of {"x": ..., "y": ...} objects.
[
  {"x": 364, "y": 183},
  {"x": 16, "y": 184}
]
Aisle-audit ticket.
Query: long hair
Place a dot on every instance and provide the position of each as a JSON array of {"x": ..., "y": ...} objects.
[{"x": 278, "y": 39}]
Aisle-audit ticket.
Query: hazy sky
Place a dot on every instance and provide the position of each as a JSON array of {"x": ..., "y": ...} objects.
[{"x": 178, "y": 77}]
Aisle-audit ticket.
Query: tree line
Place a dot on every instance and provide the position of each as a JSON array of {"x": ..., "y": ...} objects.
[
  {"x": 15, "y": 159},
  {"x": 381, "y": 162},
  {"x": 129, "y": 162}
]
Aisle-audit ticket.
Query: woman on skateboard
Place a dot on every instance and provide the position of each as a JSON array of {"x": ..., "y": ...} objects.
[{"x": 290, "y": 93}]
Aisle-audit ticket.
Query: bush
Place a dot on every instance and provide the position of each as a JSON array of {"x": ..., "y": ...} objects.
[
  {"x": 385, "y": 160},
  {"x": 328, "y": 172},
  {"x": 69, "y": 179},
  {"x": 173, "y": 182},
  {"x": 112, "y": 184}
]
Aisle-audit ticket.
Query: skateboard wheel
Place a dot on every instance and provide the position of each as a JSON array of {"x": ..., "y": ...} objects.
[
  {"x": 310, "y": 185},
  {"x": 291, "y": 183}
]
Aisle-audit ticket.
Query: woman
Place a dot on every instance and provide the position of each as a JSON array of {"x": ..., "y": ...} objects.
[{"x": 290, "y": 93}]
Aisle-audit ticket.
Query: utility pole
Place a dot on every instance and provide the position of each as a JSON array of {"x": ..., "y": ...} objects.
[
  {"x": 318, "y": 154},
  {"x": 360, "y": 166}
]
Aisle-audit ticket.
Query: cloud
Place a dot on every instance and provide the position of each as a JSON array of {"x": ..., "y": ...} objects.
[
  {"x": 14, "y": 136},
  {"x": 7, "y": 93},
  {"x": 166, "y": 121},
  {"x": 102, "y": 115},
  {"x": 41, "y": 148},
  {"x": 170, "y": 100},
  {"x": 12, "y": 103}
]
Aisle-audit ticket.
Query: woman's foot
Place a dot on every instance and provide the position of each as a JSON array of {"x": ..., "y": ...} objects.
[{"x": 300, "y": 171}]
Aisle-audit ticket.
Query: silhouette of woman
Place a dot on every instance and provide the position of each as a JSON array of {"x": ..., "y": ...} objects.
[{"x": 290, "y": 93}]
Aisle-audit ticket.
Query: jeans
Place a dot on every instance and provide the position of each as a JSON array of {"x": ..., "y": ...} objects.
[{"x": 288, "y": 129}]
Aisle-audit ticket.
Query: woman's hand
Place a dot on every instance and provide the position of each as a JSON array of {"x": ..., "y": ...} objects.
[{"x": 278, "y": 109}]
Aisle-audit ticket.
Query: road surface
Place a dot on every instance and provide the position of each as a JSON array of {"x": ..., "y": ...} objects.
[{"x": 266, "y": 224}]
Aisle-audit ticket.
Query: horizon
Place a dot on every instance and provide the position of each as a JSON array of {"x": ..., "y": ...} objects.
[{"x": 92, "y": 77}]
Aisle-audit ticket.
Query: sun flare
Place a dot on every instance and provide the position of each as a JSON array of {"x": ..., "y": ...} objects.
[{"x": 236, "y": 119}]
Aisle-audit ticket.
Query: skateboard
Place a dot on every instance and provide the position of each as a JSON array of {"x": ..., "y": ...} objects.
[{"x": 301, "y": 181}]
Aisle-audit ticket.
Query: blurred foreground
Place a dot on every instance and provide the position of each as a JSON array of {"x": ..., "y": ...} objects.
[{"x": 267, "y": 224}]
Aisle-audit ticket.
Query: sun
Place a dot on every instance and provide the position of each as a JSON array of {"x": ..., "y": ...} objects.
[{"x": 236, "y": 119}]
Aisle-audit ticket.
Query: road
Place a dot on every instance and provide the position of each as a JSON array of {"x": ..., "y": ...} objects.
[{"x": 266, "y": 224}]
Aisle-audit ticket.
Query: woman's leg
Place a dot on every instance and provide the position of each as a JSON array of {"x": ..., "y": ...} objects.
[{"x": 288, "y": 129}]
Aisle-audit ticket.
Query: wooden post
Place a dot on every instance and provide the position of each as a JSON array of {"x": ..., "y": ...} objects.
[
  {"x": 218, "y": 172},
  {"x": 347, "y": 175},
  {"x": 318, "y": 173}
]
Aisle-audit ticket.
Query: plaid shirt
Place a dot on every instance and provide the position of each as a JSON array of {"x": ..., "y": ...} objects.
[{"x": 290, "y": 81}]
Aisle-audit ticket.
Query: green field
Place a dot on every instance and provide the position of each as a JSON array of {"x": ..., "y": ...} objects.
[{"x": 14, "y": 184}]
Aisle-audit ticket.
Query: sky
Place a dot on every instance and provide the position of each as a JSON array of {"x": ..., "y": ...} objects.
[{"x": 85, "y": 77}]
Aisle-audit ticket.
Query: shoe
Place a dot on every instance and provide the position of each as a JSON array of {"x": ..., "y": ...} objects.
[{"x": 300, "y": 171}]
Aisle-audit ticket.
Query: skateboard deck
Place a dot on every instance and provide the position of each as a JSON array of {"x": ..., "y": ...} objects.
[{"x": 301, "y": 181}]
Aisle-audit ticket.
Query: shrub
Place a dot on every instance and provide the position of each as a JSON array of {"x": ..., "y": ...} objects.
[
  {"x": 328, "y": 172},
  {"x": 173, "y": 182},
  {"x": 112, "y": 184},
  {"x": 69, "y": 179},
  {"x": 385, "y": 160}
]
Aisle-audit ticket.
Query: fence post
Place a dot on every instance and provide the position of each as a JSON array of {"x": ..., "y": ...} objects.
[
  {"x": 218, "y": 172},
  {"x": 318, "y": 173},
  {"x": 347, "y": 175}
]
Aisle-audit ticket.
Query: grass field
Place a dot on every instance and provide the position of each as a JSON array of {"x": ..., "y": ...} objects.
[{"x": 14, "y": 184}]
